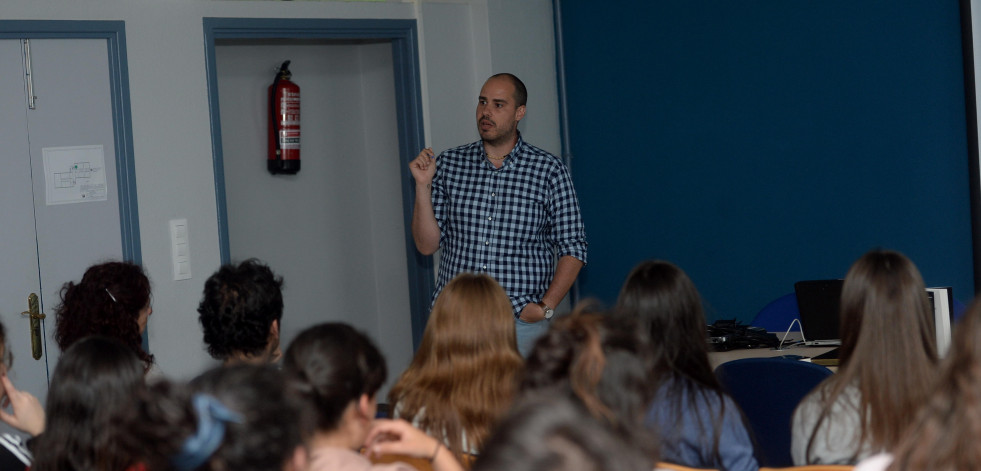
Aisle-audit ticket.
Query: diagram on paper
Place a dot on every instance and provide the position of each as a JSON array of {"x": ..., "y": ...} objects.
[{"x": 74, "y": 174}]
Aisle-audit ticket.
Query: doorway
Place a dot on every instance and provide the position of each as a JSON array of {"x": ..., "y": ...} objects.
[
  {"x": 338, "y": 231},
  {"x": 68, "y": 190}
]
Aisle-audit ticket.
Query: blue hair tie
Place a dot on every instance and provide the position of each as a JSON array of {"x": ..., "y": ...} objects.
[{"x": 212, "y": 416}]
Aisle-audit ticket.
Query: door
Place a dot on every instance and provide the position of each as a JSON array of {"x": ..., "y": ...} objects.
[{"x": 60, "y": 214}]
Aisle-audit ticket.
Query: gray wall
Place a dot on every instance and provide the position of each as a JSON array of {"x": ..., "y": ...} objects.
[
  {"x": 460, "y": 44},
  {"x": 335, "y": 230}
]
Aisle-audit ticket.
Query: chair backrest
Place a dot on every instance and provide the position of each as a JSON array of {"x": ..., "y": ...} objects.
[
  {"x": 665, "y": 466},
  {"x": 777, "y": 316},
  {"x": 768, "y": 390},
  {"x": 813, "y": 467}
]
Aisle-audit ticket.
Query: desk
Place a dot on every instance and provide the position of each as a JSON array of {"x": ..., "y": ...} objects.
[{"x": 718, "y": 358}]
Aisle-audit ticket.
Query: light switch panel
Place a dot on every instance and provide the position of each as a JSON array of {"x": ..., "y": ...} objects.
[{"x": 180, "y": 249}]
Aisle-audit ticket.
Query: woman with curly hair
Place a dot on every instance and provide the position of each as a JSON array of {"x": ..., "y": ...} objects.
[
  {"x": 113, "y": 300},
  {"x": 464, "y": 375}
]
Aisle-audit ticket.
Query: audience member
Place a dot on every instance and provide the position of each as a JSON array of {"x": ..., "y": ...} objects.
[
  {"x": 699, "y": 425},
  {"x": 238, "y": 417},
  {"x": 112, "y": 300},
  {"x": 944, "y": 436},
  {"x": 464, "y": 374},
  {"x": 887, "y": 365},
  {"x": 601, "y": 361},
  {"x": 555, "y": 433},
  {"x": 25, "y": 415},
  {"x": 241, "y": 313},
  {"x": 338, "y": 371},
  {"x": 96, "y": 378}
]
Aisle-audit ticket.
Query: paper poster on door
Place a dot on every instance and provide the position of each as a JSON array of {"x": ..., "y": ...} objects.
[{"x": 74, "y": 174}]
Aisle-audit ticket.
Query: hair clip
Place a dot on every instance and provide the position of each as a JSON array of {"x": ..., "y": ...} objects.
[
  {"x": 113, "y": 298},
  {"x": 212, "y": 416}
]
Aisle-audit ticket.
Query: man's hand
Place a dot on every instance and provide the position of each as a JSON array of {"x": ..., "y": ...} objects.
[
  {"x": 423, "y": 167},
  {"x": 532, "y": 313}
]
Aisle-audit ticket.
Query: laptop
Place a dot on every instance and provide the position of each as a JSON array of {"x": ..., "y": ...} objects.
[{"x": 818, "y": 302}]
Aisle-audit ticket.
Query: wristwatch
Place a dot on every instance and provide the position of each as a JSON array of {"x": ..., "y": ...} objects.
[{"x": 549, "y": 312}]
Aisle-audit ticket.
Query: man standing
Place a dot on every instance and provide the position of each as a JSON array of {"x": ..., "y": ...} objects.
[{"x": 503, "y": 207}]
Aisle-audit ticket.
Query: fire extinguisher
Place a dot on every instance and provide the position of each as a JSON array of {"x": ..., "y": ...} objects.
[{"x": 284, "y": 123}]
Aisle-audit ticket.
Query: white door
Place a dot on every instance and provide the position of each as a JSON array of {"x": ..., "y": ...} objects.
[{"x": 43, "y": 245}]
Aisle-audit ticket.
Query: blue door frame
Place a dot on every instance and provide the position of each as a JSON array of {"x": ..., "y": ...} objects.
[{"x": 408, "y": 97}]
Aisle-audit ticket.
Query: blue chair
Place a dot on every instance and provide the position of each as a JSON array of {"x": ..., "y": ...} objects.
[
  {"x": 777, "y": 316},
  {"x": 768, "y": 390}
]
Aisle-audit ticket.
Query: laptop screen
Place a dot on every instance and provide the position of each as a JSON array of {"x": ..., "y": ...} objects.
[{"x": 818, "y": 302}]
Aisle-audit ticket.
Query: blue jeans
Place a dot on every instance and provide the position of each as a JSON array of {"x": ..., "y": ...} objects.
[{"x": 527, "y": 333}]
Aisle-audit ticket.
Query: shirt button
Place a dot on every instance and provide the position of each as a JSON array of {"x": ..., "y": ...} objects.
[
  {"x": 490, "y": 218},
  {"x": 485, "y": 267},
  {"x": 487, "y": 242},
  {"x": 493, "y": 194}
]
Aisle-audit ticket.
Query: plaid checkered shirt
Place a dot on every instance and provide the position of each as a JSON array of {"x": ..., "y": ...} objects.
[{"x": 508, "y": 222}]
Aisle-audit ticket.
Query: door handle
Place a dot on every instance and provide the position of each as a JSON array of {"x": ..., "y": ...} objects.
[{"x": 34, "y": 312}]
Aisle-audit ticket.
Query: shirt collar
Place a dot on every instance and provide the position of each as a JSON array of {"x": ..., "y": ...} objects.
[{"x": 513, "y": 158}]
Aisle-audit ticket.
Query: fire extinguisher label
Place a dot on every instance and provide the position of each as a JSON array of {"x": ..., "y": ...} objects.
[{"x": 289, "y": 121}]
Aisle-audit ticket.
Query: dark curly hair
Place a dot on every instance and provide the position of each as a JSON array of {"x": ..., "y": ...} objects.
[
  {"x": 333, "y": 364},
  {"x": 164, "y": 418},
  {"x": 95, "y": 379},
  {"x": 106, "y": 302},
  {"x": 239, "y": 305}
]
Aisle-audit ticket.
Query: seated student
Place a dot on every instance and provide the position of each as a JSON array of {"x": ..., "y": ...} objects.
[
  {"x": 699, "y": 425},
  {"x": 945, "y": 432},
  {"x": 238, "y": 417},
  {"x": 464, "y": 374},
  {"x": 337, "y": 371},
  {"x": 554, "y": 433},
  {"x": 25, "y": 415},
  {"x": 887, "y": 365},
  {"x": 598, "y": 360},
  {"x": 113, "y": 300},
  {"x": 95, "y": 377},
  {"x": 241, "y": 313}
]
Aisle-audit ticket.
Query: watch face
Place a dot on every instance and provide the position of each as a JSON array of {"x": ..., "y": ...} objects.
[{"x": 548, "y": 313}]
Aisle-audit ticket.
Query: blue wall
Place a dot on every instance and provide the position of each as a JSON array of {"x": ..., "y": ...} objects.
[{"x": 760, "y": 142}]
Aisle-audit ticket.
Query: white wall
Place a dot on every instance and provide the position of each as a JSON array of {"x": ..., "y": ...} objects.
[{"x": 461, "y": 43}]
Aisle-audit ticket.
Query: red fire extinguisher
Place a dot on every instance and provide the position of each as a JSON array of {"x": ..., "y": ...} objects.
[{"x": 284, "y": 123}]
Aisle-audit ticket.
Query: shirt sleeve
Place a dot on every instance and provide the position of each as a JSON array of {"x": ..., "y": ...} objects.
[
  {"x": 567, "y": 233},
  {"x": 438, "y": 195}
]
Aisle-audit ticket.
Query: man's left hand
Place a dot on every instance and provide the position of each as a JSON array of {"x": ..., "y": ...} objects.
[{"x": 532, "y": 313}]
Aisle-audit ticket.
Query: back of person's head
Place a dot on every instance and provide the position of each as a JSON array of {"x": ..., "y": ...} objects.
[
  {"x": 332, "y": 365},
  {"x": 107, "y": 301},
  {"x": 601, "y": 360},
  {"x": 239, "y": 417},
  {"x": 888, "y": 347},
  {"x": 944, "y": 436},
  {"x": 669, "y": 309},
  {"x": 239, "y": 307},
  {"x": 95, "y": 378},
  {"x": 885, "y": 313},
  {"x": 554, "y": 433},
  {"x": 465, "y": 372}
]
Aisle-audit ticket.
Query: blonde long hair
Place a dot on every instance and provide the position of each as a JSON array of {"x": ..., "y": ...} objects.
[{"x": 464, "y": 375}]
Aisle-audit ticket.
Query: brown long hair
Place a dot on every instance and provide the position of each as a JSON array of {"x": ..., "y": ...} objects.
[
  {"x": 945, "y": 432},
  {"x": 669, "y": 309},
  {"x": 464, "y": 375},
  {"x": 888, "y": 348}
]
